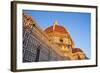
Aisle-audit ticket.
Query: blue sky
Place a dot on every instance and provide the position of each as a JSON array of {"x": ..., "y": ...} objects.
[{"x": 77, "y": 24}]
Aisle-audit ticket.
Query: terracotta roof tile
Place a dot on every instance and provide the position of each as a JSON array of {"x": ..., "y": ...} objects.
[
  {"x": 74, "y": 50},
  {"x": 58, "y": 28}
]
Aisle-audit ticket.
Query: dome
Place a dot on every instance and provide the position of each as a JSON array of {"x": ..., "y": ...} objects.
[
  {"x": 56, "y": 28},
  {"x": 59, "y": 34}
]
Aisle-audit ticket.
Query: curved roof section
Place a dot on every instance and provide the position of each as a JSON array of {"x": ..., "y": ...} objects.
[{"x": 56, "y": 28}]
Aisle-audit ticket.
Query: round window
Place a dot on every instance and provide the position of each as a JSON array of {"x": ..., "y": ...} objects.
[{"x": 61, "y": 40}]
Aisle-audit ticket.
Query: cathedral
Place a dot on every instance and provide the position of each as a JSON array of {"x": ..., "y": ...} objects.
[{"x": 53, "y": 43}]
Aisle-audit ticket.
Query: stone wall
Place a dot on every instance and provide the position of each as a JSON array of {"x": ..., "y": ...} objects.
[{"x": 35, "y": 49}]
